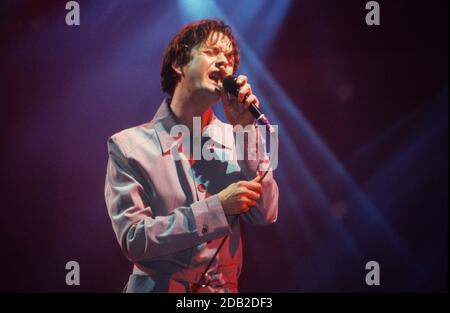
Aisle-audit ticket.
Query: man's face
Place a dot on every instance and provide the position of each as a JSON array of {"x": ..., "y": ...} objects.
[{"x": 210, "y": 62}]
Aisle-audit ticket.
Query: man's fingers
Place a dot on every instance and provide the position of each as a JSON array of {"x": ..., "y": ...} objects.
[
  {"x": 252, "y": 195},
  {"x": 251, "y": 203},
  {"x": 247, "y": 202},
  {"x": 251, "y": 99},
  {"x": 252, "y": 185},
  {"x": 257, "y": 179},
  {"x": 241, "y": 80},
  {"x": 244, "y": 91}
]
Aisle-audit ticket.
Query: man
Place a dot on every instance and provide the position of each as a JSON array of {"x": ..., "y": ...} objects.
[{"x": 170, "y": 215}]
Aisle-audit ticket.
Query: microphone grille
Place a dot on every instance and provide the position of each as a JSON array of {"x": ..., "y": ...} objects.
[{"x": 230, "y": 85}]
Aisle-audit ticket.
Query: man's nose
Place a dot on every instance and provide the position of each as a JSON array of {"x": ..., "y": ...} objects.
[
  {"x": 224, "y": 68},
  {"x": 221, "y": 61}
]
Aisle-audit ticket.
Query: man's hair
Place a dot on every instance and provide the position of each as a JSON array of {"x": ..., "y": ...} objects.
[{"x": 178, "y": 51}]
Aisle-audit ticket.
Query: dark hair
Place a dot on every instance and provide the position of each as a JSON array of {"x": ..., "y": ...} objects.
[{"x": 178, "y": 50}]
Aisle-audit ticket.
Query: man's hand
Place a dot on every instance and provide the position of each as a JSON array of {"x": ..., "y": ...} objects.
[
  {"x": 238, "y": 197},
  {"x": 236, "y": 111}
]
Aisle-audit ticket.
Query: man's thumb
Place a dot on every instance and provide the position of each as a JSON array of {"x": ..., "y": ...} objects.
[{"x": 257, "y": 179}]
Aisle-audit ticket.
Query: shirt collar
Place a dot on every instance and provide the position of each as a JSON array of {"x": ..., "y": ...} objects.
[{"x": 220, "y": 133}]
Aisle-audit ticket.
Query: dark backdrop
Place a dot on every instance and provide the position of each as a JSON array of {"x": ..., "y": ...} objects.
[{"x": 363, "y": 117}]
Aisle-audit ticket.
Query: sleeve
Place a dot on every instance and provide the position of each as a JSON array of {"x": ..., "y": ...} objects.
[
  {"x": 141, "y": 234},
  {"x": 252, "y": 157}
]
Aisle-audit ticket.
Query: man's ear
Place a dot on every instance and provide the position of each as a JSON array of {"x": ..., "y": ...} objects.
[{"x": 177, "y": 69}]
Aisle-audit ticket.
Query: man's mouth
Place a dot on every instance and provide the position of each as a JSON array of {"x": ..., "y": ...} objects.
[{"x": 216, "y": 77}]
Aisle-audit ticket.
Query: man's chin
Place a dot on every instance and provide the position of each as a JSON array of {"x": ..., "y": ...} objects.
[
  {"x": 212, "y": 92},
  {"x": 216, "y": 92},
  {"x": 209, "y": 96}
]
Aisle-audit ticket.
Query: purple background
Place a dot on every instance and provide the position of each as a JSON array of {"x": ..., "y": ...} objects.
[{"x": 363, "y": 115}]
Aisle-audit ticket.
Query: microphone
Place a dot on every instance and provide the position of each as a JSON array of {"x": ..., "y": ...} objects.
[{"x": 231, "y": 86}]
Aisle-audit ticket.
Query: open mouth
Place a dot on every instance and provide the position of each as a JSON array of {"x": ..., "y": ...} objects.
[{"x": 216, "y": 77}]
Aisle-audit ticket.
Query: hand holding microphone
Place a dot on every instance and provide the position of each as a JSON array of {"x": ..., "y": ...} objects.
[{"x": 241, "y": 105}]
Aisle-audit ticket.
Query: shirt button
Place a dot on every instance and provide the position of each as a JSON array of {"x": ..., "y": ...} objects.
[
  {"x": 205, "y": 229},
  {"x": 201, "y": 188}
]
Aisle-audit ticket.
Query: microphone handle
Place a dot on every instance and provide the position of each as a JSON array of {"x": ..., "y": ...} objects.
[
  {"x": 259, "y": 116},
  {"x": 254, "y": 110}
]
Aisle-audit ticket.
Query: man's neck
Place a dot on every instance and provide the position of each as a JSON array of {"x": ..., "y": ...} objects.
[{"x": 187, "y": 106}]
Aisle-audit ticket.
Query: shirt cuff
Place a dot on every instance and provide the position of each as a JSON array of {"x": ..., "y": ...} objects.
[{"x": 209, "y": 216}]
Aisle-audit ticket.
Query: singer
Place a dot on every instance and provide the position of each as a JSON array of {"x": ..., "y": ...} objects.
[{"x": 178, "y": 219}]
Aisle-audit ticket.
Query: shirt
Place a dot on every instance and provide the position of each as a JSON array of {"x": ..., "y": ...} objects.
[{"x": 165, "y": 211}]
